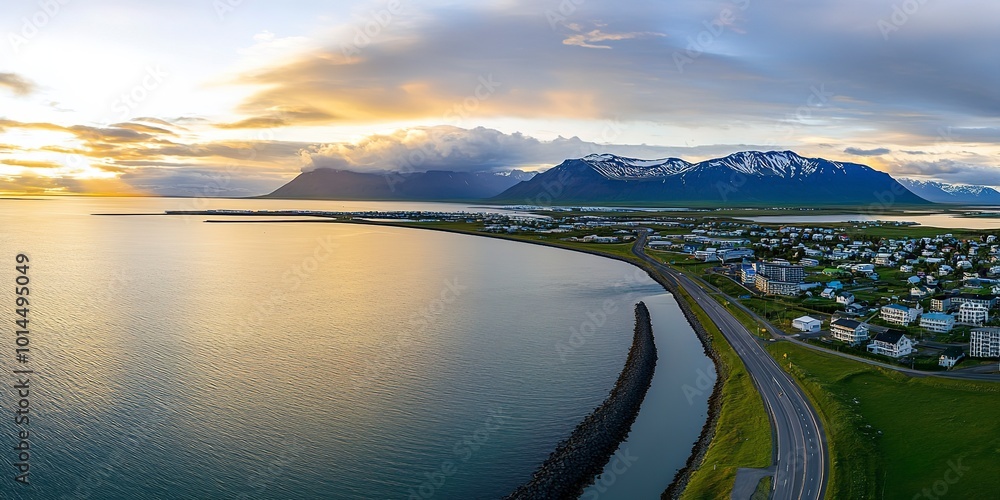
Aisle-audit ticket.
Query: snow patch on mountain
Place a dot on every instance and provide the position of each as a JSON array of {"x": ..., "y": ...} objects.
[{"x": 784, "y": 164}]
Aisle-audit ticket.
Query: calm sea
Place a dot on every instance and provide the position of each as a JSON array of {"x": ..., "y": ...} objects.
[{"x": 177, "y": 359}]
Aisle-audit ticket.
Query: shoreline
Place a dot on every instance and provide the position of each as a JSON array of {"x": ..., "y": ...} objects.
[
  {"x": 580, "y": 458},
  {"x": 701, "y": 445}
]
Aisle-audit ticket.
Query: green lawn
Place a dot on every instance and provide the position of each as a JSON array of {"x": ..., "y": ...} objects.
[{"x": 891, "y": 435}]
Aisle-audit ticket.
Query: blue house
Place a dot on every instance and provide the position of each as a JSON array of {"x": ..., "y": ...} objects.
[{"x": 836, "y": 285}]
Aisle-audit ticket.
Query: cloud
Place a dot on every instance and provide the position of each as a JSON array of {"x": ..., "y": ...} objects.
[
  {"x": 867, "y": 152},
  {"x": 446, "y": 147},
  {"x": 950, "y": 171},
  {"x": 281, "y": 118},
  {"x": 591, "y": 38},
  {"x": 29, "y": 163},
  {"x": 17, "y": 84}
]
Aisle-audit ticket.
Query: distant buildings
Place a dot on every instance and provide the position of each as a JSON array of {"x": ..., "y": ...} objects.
[
  {"x": 987, "y": 301},
  {"x": 850, "y": 331},
  {"x": 950, "y": 357},
  {"x": 892, "y": 343},
  {"x": 937, "y": 322},
  {"x": 984, "y": 343},
  {"x": 779, "y": 278},
  {"x": 899, "y": 314},
  {"x": 807, "y": 324},
  {"x": 940, "y": 303},
  {"x": 973, "y": 313}
]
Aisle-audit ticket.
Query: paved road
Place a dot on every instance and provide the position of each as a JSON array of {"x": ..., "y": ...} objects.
[{"x": 800, "y": 452}]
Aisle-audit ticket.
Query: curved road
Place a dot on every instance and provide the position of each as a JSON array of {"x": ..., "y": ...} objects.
[{"x": 800, "y": 451}]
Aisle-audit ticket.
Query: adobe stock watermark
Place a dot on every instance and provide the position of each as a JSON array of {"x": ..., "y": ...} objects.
[
  {"x": 418, "y": 324},
  {"x": 376, "y": 22},
  {"x": 953, "y": 474},
  {"x": 223, "y": 8},
  {"x": 32, "y": 25},
  {"x": 620, "y": 463},
  {"x": 553, "y": 188},
  {"x": 704, "y": 40},
  {"x": 261, "y": 479},
  {"x": 456, "y": 115},
  {"x": 463, "y": 449},
  {"x": 595, "y": 319},
  {"x": 900, "y": 15},
  {"x": 128, "y": 101},
  {"x": 817, "y": 98},
  {"x": 562, "y": 12},
  {"x": 292, "y": 280},
  {"x": 704, "y": 381}
]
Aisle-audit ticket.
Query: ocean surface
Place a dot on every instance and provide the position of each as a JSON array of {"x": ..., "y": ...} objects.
[{"x": 177, "y": 359}]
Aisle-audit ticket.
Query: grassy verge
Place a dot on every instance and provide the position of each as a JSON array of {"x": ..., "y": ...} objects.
[
  {"x": 743, "y": 434},
  {"x": 892, "y": 436},
  {"x": 763, "y": 491}
]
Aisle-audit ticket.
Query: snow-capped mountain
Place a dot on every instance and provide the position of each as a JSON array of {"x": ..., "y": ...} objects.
[
  {"x": 755, "y": 177},
  {"x": 942, "y": 192}
]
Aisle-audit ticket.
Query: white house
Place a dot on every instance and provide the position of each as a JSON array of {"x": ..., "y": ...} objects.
[
  {"x": 850, "y": 331},
  {"x": 945, "y": 270},
  {"x": 892, "y": 343},
  {"x": 950, "y": 357},
  {"x": 828, "y": 293},
  {"x": 937, "y": 322},
  {"x": 845, "y": 298},
  {"x": 906, "y": 268},
  {"x": 984, "y": 343},
  {"x": 973, "y": 313},
  {"x": 899, "y": 314},
  {"x": 807, "y": 324}
]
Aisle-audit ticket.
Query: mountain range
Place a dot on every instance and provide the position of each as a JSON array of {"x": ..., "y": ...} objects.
[
  {"x": 963, "y": 194},
  {"x": 433, "y": 185},
  {"x": 750, "y": 177},
  {"x": 772, "y": 178}
]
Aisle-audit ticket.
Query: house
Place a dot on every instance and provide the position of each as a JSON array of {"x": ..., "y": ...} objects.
[
  {"x": 781, "y": 271},
  {"x": 973, "y": 313},
  {"x": 836, "y": 285},
  {"x": 855, "y": 308},
  {"x": 899, "y": 314},
  {"x": 984, "y": 343},
  {"x": 940, "y": 303},
  {"x": 987, "y": 301},
  {"x": 892, "y": 343},
  {"x": 828, "y": 293},
  {"x": 951, "y": 356},
  {"x": 919, "y": 292},
  {"x": 809, "y": 262},
  {"x": 807, "y": 324},
  {"x": 864, "y": 268},
  {"x": 850, "y": 331},
  {"x": 747, "y": 274},
  {"x": 913, "y": 280},
  {"x": 774, "y": 287},
  {"x": 944, "y": 270},
  {"x": 883, "y": 259},
  {"x": 845, "y": 298},
  {"x": 937, "y": 322},
  {"x": 906, "y": 268}
]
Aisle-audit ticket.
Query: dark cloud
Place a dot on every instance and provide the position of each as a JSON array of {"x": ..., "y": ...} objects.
[
  {"x": 867, "y": 152},
  {"x": 451, "y": 148}
]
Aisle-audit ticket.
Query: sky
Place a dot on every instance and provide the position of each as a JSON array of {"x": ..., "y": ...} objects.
[{"x": 236, "y": 97}]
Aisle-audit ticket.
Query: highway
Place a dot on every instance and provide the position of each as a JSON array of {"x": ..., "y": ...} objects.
[{"x": 800, "y": 453}]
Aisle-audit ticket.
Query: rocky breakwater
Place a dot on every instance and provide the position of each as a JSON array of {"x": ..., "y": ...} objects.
[{"x": 579, "y": 459}]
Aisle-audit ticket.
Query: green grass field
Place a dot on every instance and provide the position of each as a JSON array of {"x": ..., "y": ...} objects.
[{"x": 892, "y": 436}]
